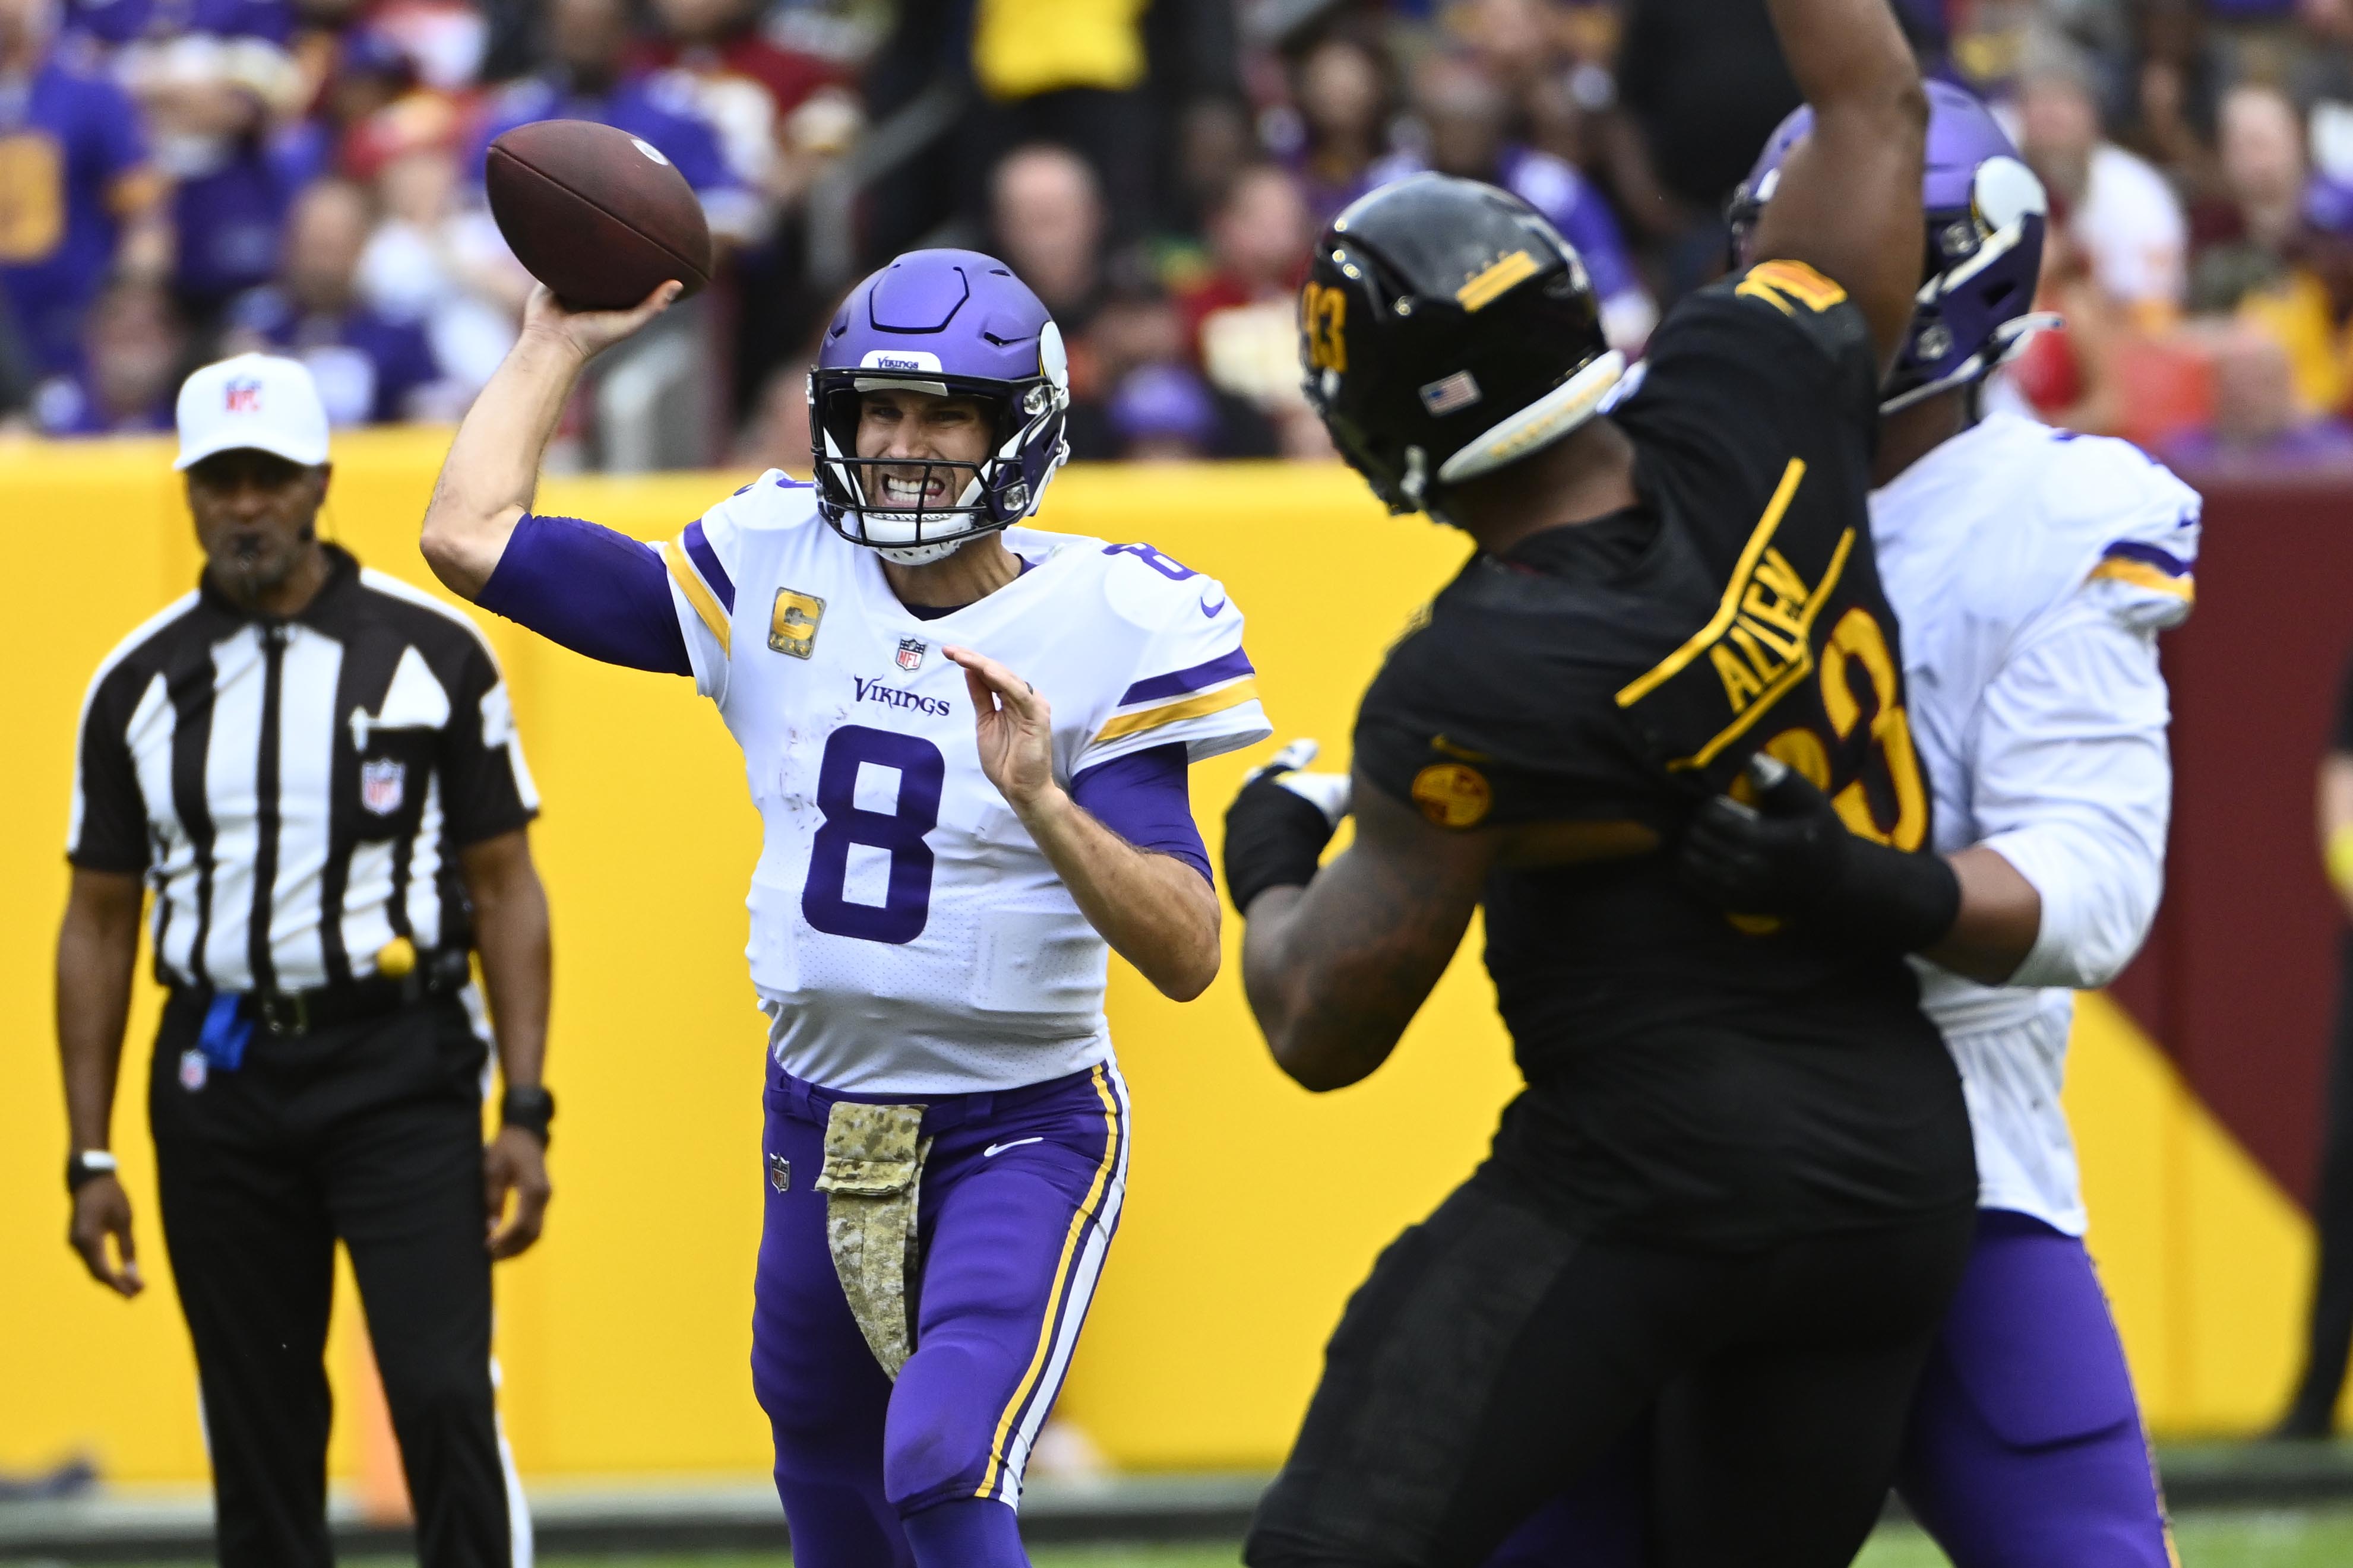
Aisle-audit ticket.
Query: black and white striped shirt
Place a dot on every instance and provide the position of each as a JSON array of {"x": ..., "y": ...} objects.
[{"x": 295, "y": 792}]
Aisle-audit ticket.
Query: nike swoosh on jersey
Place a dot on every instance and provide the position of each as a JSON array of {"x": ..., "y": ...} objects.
[
  {"x": 994, "y": 1150},
  {"x": 1211, "y": 610}
]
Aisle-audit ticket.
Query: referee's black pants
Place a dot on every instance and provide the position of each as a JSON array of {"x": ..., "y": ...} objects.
[
  {"x": 369, "y": 1131},
  {"x": 2313, "y": 1411}
]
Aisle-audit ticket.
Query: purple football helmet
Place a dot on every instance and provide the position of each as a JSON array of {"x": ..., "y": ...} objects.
[
  {"x": 954, "y": 323},
  {"x": 1985, "y": 213}
]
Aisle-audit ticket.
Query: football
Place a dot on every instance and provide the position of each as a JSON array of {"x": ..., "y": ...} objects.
[{"x": 597, "y": 214}]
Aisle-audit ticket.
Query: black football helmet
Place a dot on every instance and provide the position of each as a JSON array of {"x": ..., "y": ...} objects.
[{"x": 1445, "y": 330}]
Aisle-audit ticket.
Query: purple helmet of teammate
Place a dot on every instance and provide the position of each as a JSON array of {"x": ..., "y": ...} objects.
[
  {"x": 954, "y": 323},
  {"x": 1986, "y": 215}
]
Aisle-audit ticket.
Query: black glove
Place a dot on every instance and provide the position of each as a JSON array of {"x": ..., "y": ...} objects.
[
  {"x": 1791, "y": 855},
  {"x": 1278, "y": 826}
]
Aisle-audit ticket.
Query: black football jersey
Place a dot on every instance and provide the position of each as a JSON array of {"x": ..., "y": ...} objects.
[{"x": 1722, "y": 1078}]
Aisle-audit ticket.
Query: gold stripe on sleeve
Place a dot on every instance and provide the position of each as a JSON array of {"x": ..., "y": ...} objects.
[
  {"x": 2140, "y": 575},
  {"x": 698, "y": 594},
  {"x": 1217, "y": 702}
]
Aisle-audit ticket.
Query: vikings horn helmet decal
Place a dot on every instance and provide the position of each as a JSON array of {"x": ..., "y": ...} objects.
[{"x": 1985, "y": 213}]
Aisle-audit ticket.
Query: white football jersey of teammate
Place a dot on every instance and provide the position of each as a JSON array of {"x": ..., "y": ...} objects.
[
  {"x": 2030, "y": 569},
  {"x": 908, "y": 937}
]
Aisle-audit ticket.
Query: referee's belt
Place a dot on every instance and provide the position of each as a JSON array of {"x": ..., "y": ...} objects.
[{"x": 441, "y": 972}]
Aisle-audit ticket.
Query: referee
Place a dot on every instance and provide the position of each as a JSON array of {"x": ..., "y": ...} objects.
[{"x": 315, "y": 769}]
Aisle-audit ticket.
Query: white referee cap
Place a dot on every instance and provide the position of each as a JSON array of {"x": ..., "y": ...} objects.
[{"x": 254, "y": 400}]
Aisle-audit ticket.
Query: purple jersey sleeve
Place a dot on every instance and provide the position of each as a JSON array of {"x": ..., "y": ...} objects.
[
  {"x": 595, "y": 590},
  {"x": 1143, "y": 798}
]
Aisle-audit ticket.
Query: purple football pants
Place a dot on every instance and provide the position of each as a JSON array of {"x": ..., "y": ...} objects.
[
  {"x": 2025, "y": 1448},
  {"x": 1019, "y": 1198}
]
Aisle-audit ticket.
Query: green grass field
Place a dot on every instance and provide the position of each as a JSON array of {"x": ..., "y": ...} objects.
[
  {"x": 2297, "y": 1540},
  {"x": 2319, "y": 1539},
  {"x": 2281, "y": 1540}
]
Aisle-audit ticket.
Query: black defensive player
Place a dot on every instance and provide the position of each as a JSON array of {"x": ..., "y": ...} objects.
[{"x": 1737, "y": 1190}]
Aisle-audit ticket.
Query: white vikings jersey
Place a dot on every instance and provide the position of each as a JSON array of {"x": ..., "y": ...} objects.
[
  {"x": 908, "y": 937},
  {"x": 2032, "y": 569}
]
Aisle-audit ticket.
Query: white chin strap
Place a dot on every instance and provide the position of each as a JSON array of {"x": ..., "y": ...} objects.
[
  {"x": 924, "y": 554},
  {"x": 1540, "y": 424}
]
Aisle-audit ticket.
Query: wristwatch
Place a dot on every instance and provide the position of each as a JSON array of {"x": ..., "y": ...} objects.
[
  {"x": 530, "y": 1107},
  {"x": 88, "y": 1165}
]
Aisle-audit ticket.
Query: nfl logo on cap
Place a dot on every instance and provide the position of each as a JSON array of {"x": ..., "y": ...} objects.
[
  {"x": 912, "y": 651},
  {"x": 255, "y": 402}
]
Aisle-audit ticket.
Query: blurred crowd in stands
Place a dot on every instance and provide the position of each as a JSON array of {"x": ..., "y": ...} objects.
[{"x": 179, "y": 178}]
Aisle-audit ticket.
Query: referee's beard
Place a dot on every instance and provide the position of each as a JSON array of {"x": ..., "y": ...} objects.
[{"x": 257, "y": 519}]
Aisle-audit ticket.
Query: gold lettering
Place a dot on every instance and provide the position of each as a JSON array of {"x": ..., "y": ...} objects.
[
  {"x": 1788, "y": 650},
  {"x": 1776, "y": 573},
  {"x": 1857, "y": 636},
  {"x": 1761, "y": 607},
  {"x": 1321, "y": 314},
  {"x": 1741, "y": 686},
  {"x": 1767, "y": 666},
  {"x": 1778, "y": 595}
]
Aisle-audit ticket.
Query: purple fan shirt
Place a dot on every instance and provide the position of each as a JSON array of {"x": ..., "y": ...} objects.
[
  {"x": 230, "y": 221},
  {"x": 70, "y": 139},
  {"x": 367, "y": 365},
  {"x": 227, "y": 218}
]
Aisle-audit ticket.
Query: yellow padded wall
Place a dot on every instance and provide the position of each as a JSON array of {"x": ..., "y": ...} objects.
[{"x": 1254, "y": 1207}]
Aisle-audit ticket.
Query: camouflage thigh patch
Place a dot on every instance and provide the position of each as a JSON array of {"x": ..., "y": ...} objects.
[{"x": 873, "y": 1172}]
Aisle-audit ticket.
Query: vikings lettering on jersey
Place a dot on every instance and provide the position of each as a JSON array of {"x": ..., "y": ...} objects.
[{"x": 907, "y": 936}]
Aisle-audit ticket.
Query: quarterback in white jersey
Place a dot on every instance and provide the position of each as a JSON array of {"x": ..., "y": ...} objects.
[
  {"x": 908, "y": 937},
  {"x": 967, "y": 740}
]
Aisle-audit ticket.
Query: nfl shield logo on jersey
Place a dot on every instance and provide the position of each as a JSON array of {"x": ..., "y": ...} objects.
[
  {"x": 193, "y": 1071},
  {"x": 912, "y": 651},
  {"x": 380, "y": 784}
]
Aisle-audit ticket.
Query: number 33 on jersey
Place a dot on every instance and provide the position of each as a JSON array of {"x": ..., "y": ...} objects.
[{"x": 904, "y": 928}]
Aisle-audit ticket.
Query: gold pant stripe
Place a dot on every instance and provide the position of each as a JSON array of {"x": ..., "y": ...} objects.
[{"x": 1079, "y": 1221}]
